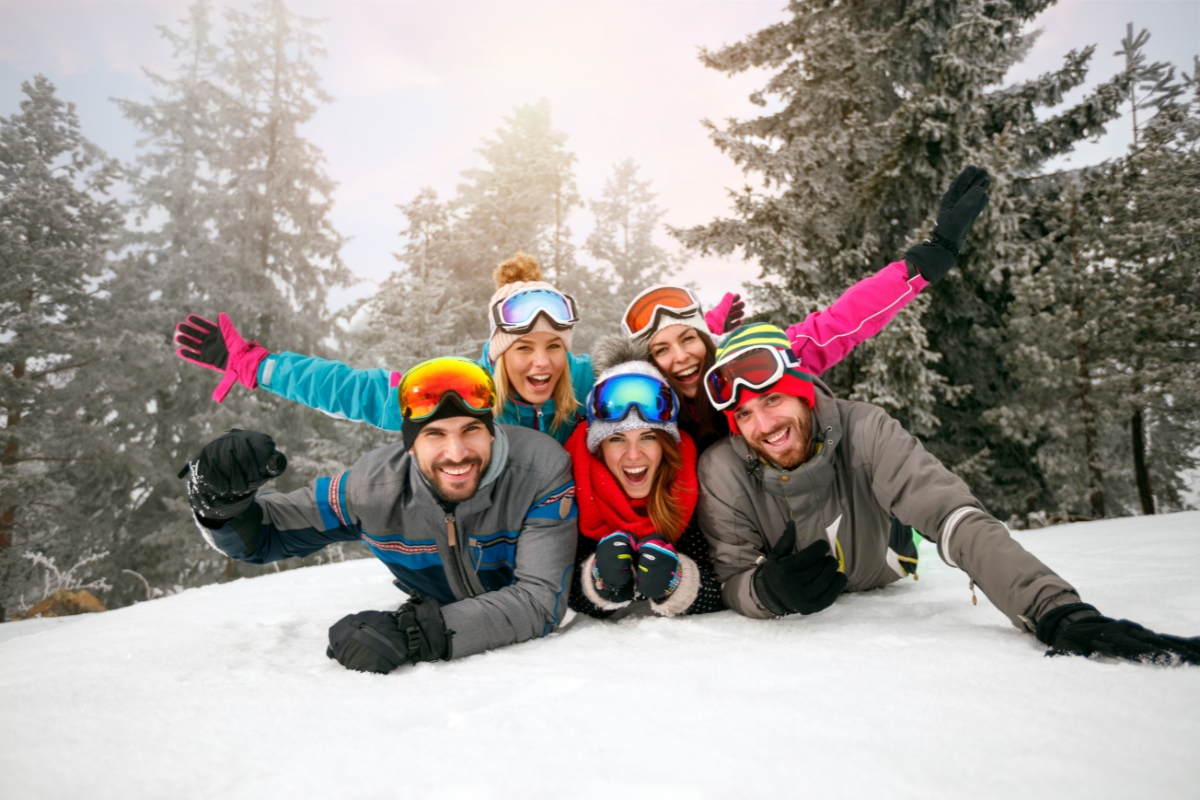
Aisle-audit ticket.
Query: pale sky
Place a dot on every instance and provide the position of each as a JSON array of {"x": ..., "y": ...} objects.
[{"x": 419, "y": 84}]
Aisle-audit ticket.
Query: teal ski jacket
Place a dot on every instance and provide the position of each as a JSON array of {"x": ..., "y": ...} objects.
[{"x": 371, "y": 396}]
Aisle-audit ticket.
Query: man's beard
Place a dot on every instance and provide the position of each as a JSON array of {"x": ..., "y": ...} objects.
[
  {"x": 460, "y": 493},
  {"x": 795, "y": 455}
]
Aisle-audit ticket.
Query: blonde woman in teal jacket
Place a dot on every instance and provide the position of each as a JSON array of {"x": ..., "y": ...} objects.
[{"x": 540, "y": 384}]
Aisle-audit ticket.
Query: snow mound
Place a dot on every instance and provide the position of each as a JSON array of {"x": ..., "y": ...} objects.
[{"x": 908, "y": 691}]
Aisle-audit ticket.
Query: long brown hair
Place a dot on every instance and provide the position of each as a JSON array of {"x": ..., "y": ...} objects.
[
  {"x": 701, "y": 421},
  {"x": 661, "y": 505}
]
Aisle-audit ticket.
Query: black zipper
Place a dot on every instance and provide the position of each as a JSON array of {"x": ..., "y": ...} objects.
[{"x": 459, "y": 570}]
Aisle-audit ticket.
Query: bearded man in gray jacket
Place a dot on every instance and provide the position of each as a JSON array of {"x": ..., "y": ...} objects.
[
  {"x": 798, "y": 506},
  {"x": 475, "y": 520}
]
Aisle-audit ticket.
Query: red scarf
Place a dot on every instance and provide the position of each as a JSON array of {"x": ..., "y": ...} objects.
[{"x": 603, "y": 505}]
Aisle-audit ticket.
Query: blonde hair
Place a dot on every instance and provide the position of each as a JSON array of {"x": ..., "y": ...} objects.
[{"x": 565, "y": 404}]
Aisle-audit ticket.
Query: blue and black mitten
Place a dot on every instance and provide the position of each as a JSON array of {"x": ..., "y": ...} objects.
[
  {"x": 612, "y": 568},
  {"x": 658, "y": 570}
]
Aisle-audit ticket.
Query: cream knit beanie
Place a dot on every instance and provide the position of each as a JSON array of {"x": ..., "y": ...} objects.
[{"x": 518, "y": 273}]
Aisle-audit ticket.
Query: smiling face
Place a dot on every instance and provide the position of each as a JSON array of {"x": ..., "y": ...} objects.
[
  {"x": 453, "y": 454},
  {"x": 633, "y": 457},
  {"x": 778, "y": 427},
  {"x": 678, "y": 351},
  {"x": 534, "y": 364}
]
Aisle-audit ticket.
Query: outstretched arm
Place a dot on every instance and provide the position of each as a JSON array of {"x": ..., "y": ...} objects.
[
  {"x": 341, "y": 391},
  {"x": 361, "y": 395},
  {"x": 825, "y": 337}
]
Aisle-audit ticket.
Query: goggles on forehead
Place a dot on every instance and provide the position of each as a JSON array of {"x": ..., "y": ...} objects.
[
  {"x": 648, "y": 307},
  {"x": 612, "y": 399},
  {"x": 423, "y": 387},
  {"x": 756, "y": 368},
  {"x": 518, "y": 312}
]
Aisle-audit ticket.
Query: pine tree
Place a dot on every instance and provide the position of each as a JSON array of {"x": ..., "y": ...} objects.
[
  {"x": 234, "y": 209},
  {"x": 520, "y": 201},
  {"x": 56, "y": 229},
  {"x": 878, "y": 106},
  {"x": 623, "y": 241}
]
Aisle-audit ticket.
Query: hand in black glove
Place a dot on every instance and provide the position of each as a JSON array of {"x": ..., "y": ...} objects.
[
  {"x": 1078, "y": 629},
  {"x": 736, "y": 312},
  {"x": 226, "y": 476},
  {"x": 798, "y": 583},
  {"x": 961, "y": 205},
  {"x": 380, "y": 641},
  {"x": 658, "y": 572},
  {"x": 612, "y": 570}
]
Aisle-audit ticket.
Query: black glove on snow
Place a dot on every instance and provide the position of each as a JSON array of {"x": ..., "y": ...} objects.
[
  {"x": 1078, "y": 629},
  {"x": 798, "y": 583},
  {"x": 612, "y": 571},
  {"x": 380, "y": 641},
  {"x": 961, "y": 205},
  {"x": 226, "y": 476}
]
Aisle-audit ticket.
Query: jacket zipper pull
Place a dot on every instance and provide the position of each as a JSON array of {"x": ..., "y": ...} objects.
[
  {"x": 974, "y": 599},
  {"x": 451, "y": 533}
]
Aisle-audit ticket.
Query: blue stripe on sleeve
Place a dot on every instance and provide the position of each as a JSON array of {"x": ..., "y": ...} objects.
[
  {"x": 559, "y": 504},
  {"x": 328, "y": 517}
]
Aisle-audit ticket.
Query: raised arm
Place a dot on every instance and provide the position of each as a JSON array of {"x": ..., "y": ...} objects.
[
  {"x": 825, "y": 337},
  {"x": 361, "y": 395}
]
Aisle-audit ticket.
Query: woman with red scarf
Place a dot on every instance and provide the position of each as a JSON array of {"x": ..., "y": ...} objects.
[{"x": 636, "y": 487}]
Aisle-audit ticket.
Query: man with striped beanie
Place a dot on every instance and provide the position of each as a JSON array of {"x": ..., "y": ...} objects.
[{"x": 801, "y": 502}]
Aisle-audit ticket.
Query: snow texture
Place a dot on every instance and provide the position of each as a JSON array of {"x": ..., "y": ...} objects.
[{"x": 905, "y": 692}]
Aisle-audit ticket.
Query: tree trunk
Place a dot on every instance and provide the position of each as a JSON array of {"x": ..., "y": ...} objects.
[
  {"x": 1137, "y": 430},
  {"x": 8, "y": 459},
  {"x": 1090, "y": 437}
]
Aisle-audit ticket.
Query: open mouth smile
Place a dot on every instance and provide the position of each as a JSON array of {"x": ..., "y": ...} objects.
[
  {"x": 635, "y": 476},
  {"x": 780, "y": 439},
  {"x": 689, "y": 375},
  {"x": 539, "y": 382}
]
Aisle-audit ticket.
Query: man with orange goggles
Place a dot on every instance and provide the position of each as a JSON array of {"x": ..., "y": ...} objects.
[{"x": 476, "y": 521}]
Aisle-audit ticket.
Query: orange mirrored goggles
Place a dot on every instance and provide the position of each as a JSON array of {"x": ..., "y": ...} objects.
[
  {"x": 645, "y": 310},
  {"x": 424, "y": 386}
]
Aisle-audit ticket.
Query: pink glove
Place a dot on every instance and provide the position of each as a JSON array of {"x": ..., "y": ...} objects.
[
  {"x": 219, "y": 346},
  {"x": 726, "y": 315}
]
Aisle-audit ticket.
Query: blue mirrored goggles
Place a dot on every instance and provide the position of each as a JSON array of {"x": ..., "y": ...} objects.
[
  {"x": 518, "y": 312},
  {"x": 612, "y": 399}
]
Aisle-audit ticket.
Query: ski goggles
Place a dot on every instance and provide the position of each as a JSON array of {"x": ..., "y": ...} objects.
[
  {"x": 648, "y": 307},
  {"x": 424, "y": 386},
  {"x": 518, "y": 312},
  {"x": 612, "y": 399},
  {"x": 755, "y": 368}
]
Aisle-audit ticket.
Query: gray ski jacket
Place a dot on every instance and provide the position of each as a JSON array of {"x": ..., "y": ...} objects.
[
  {"x": 500, "y": 563},
  {"x": 868, "y": 470}
]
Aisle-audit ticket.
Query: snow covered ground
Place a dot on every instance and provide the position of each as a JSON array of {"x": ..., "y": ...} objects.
[{"x": 909, "y": 691}]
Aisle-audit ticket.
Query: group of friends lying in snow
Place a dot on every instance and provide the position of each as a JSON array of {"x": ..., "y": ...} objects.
[{"x": 691, "y": 463}]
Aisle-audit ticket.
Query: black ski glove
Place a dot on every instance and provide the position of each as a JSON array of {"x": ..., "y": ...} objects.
[
  {"x": 658, "y": 570},
  {"x": 1078, "y": 629},
  {"x": 798, "y": 583},
  {"x": 224, "y": 479},
  {"x": 612, "y": 571},
  {"x": 736, "y": 312},
  {"x": 961, "y": 205},
  {"x": 380, "y": 641}
]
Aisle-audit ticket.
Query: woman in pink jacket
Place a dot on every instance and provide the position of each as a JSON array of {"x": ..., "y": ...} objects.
[{"x": 668, "y": 319}]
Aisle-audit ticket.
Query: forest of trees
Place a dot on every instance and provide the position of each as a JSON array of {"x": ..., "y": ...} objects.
[{"x": 1055, "y": 369}]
